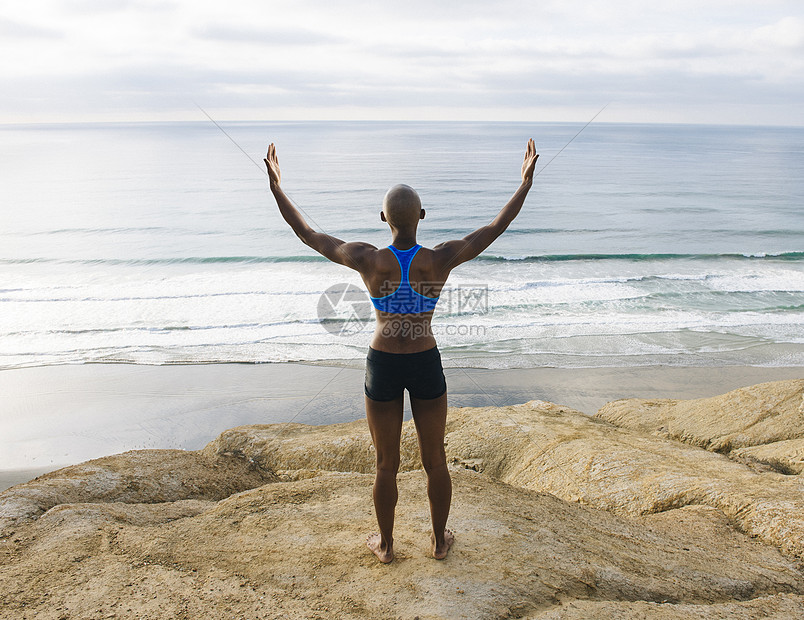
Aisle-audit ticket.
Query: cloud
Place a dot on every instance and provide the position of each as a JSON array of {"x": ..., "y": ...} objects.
[
  {"x": 86, "y": 8},
  {"x": 21, "y": 30},
  {"x": 311, "y": 57},
  {"x": 788, "y": 33},
  {"x": 266, "y": 35}
]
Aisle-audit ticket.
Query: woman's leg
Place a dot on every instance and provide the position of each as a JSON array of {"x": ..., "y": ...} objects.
[
  {"x": 430, "y": 417},
  {"x": 385, "y": 423}
]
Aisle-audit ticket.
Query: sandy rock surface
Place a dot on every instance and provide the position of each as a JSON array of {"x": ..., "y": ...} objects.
[
  {"x": 556, "y": 514},
  {"x": 751, "y": 416},
  {"x": 777, "y": 607},
  {"x": 783, "y": 456},
  {"x": 146, "y": 476},
  {"x": 545, "y": 447}
]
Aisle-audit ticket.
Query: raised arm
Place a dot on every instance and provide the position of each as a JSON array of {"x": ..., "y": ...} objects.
[
  {"x": 351, "y": 255},
  {"x": 452, "y": 253}
]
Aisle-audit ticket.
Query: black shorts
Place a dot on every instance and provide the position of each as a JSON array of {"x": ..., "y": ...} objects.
[{"x": 388, "y": 375}]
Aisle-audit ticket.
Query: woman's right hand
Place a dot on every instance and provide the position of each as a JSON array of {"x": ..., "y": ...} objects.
[{"x": 272, "y": 164}]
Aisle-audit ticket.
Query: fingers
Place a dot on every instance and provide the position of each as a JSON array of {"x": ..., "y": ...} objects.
[
  {"x": 529, "y": 164},
  {"x": 530, "y": 151}
]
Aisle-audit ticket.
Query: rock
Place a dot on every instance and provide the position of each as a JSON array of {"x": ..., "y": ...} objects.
[
  {"x": 775, "y": 607},
  {"x": 333, "y": 447},
  {"x": 786, "y": 457},
  {"x": 296, "y": 550},
  {"x": 146, "y": 476},
  {"x": 556, "y": 514},
  {"x": 553, "y": 449},
  {"x": 750, "y": 416}
]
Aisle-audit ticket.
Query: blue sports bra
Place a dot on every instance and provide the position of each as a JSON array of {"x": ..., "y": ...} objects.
[{"x": 404, "y": 300}]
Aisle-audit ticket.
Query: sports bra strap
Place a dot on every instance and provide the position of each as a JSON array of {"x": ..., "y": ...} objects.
[{"x": 404, "y": 300}]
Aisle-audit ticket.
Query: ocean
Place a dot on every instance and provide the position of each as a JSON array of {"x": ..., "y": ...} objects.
[{"x": 159, "y": 243}]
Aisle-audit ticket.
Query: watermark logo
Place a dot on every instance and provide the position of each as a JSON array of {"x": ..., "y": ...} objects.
[
  {"x": 344, "y": 309},
  {"x": 465, "y": 299}
]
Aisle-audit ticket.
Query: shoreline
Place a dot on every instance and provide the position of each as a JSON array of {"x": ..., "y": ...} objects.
[{"x": 61, "y": 415}]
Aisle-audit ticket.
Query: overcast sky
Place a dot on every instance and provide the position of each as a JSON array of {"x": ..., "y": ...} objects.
[{"x": 682, "y": 61}]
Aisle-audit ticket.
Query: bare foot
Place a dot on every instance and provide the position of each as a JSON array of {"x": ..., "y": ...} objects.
[
  {"x": 441, "y": 551},
  {"x": 385, "y": 555}
]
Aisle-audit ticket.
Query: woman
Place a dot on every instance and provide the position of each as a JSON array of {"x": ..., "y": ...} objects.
[{"x": 404, "y": 281}]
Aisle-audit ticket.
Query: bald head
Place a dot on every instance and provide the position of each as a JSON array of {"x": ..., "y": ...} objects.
[{"x": 401, "y": 207}]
